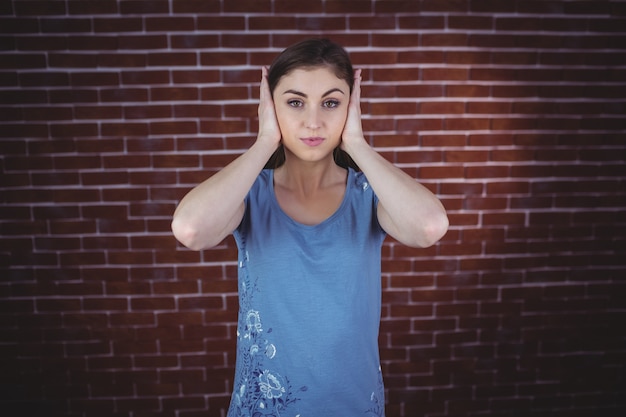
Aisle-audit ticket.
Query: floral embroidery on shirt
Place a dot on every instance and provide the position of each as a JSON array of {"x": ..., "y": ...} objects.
[
  {"x": 271, "y": 385},
  {"x": 377, "y": 399},
  {"x": 261, "y": 391}
]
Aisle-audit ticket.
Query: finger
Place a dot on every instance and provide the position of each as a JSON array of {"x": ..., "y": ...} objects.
[
  {"x": 356, "y": 89},
  {"x": 264, "y": 93},
  {"x": 264, "y": 73},
  {"x": 355, "y": 99},
  {"x": 261, "y": 84}
]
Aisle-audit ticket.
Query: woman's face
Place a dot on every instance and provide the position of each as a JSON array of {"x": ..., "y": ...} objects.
[{"x": 311, "y": 109}]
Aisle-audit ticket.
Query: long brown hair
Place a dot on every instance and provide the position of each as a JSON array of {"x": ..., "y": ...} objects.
[{"x": 312, "y": 53}]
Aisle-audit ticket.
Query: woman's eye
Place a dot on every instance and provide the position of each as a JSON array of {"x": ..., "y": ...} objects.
[
  {"x": 295, "y": 103},
  {"x": 331, "y": 104}
]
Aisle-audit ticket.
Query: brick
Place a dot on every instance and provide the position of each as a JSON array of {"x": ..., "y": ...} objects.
[
  {"x": 465, "y": 156},
  {"x": 153, "y": 303},
  {"x": 248, "y": 6},
  {"x": 22, "y": 61},
  {"x": 139, "y": 145},
  {"x": 465, "y": 188},
  {"x": 196, "y": 6},
  {"x": 65, "y": 25},
  {"x": 244, "y": 40},
  {"x": 218, "y": 59},
  {"x": 348, "y": 7},
  {"x": 170, "y": 58},
  {"x": 496, "y": 107},
  {"x": 133, "y": 161},
  {"x": 442, "y": 140},
  {"x": 103, "y": 7},
  {"x": 143, "y": 242},
  {"x": 420, "y": 124},
  {"x": 474, "y": 90},
  {"x": 129, "y": 194},
  {"x": 441, "y": 107},
  {"x": 144, "y": 7},
  {"x": 126, "y": 258},
  {"x": 393, "y": 108},
  {"x": 48, "y": 305},
  {"x": 143, "y": 112},
  {"x": 125, "y": 405},
  {"x": 173, "y": 127},
  {"x": 396, "y": 40},
  {"x": 492, "y": 171},
  {"x": 117, "y": 24},
  {"x": 508, "y": 187},
  {"x": 124, "y": 95},
  {"x": 422, "y": 22},
  {"x": 322, "y": 23},
  {"x": 286, "y": 6},
  {"x": 474, "y": 22},
  {"x": 170, "y": 23},
  {"x": 444, "y": 40},
  {"x": 142, "y": 42},
  {"x": 377, "y": 21},
  {"x": 411, "y": 310},
  {"x": 127, "y": 318},
  {"x": 51, "y": 78},
  {"x": 106, "y": 304},
  {"x": 151, "y": 273},
  {"x": 45, "y": 8},
  {"x": 145, "y": 77},
  {"x": 381, "y": 141},
  {"x": 73, "y": 60},
  {"x": 454, "y": 338},
  {"x": 142, "y": 209},
  {"x": 173, "y": 319},
  {"x": 208, "y": 302}
]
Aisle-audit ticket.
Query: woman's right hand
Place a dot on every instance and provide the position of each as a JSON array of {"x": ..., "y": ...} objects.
[{"x": 268, "y": 124}]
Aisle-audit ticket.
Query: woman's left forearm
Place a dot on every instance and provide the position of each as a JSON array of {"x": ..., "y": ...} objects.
[{"x": 407, "y": 210}]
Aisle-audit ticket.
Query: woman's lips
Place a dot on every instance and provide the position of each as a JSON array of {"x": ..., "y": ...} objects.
[{"x": 312, "y": 141}]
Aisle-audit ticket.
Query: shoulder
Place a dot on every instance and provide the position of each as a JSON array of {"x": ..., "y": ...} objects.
[
  {"x": 258, "y": 197},
  {"x": 265, "y": 176},
  {"x": 361, "y": 194},
  {"x": 262, "y": 182},
  {"x": 358, "y": 181},
  {"x": 261, "y": 190}
]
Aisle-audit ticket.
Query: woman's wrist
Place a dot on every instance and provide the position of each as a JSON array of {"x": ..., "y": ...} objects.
[{"x": 356, "y": 147}]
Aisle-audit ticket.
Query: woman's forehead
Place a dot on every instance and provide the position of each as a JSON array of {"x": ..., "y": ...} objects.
[{"x": 312, "y": 79}]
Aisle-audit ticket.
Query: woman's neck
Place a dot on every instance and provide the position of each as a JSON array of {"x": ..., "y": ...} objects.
[{"x": 308, "y": 177}]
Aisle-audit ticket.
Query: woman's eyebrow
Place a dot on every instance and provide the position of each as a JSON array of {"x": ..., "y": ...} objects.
[{"x": 301, "y": 94}]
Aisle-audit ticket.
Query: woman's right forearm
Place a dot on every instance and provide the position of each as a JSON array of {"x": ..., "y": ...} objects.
[{"x": 214, "y": 208}]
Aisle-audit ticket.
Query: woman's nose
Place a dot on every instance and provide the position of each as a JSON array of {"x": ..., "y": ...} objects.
[{"x": 312, "y": 118}]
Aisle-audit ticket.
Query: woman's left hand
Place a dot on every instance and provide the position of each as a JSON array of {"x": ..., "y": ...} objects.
[{"x": 353, "y": 130}]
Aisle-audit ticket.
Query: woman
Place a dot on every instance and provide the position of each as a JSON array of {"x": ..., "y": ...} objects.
[{"x": 309, "y": 227}]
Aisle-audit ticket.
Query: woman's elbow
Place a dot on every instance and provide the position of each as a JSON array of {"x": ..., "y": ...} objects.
[
  {"x": 433, "y": 231},
  {"x": 438, "y": 228},
  {"x": 186, "y": 234}
]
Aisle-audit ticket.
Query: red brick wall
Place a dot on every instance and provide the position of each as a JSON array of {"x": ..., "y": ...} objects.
[{"x": 511, "y": 111}]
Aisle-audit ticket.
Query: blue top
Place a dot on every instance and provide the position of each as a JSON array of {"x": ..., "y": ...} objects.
[{"x": 309, "y": 308}]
